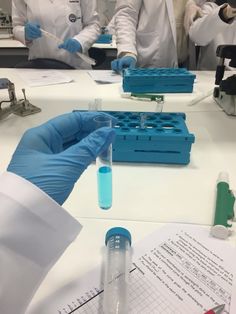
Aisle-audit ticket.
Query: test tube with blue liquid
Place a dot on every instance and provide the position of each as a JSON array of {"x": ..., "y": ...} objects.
[{"x": 104, "y": 168}]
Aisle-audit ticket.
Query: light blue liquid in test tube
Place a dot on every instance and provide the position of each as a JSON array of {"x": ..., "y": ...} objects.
[{"x": 105, "y": 187}]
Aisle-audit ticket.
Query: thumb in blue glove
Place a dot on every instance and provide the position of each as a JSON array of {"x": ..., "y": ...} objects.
[
  {"x": 51, "y": 157},
  {"x": 118, "y": 65},
  {"x": 32, "y": 31},
  {"x": 71, "y": 45}
]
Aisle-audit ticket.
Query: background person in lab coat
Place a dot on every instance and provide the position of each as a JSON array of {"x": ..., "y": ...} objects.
[
  {"x": 151, "y": 33},
  {"x": 34, "y": 228},
  {"x": 76, "y": 23},
  {"x": 216, "y": 27},
  {"x": 105, "y": 9}
]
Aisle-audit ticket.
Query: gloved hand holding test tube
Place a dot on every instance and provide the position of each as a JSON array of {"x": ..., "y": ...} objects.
[{"x": 84, "y": 57}]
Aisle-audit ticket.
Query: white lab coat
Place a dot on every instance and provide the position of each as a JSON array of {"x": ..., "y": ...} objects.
[
  {"x": 62, "y": 18},
  {"x": 105, "y": 9},
  {"x": 34, "y": 232},
  {"x": 147, "y": 29},
  {"x": 210, "y": 31}
]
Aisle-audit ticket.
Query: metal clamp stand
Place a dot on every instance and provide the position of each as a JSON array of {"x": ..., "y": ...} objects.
[
  {"x": 225, "y": 92},
  {"x": 20, "y": 107}
]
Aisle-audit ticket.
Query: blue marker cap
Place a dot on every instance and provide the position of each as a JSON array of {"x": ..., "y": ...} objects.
[{"x": 118, "y": 231}]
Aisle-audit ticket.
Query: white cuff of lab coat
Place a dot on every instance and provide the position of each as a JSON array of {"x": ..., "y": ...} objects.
[
  {"x": 40, "y": 204},
  {"x": 34, "y": 232},
  {"x": 19, "y": 34},
  {"x": 228, "y": 20},
  {"x": 124, "y": 48},
  {"x": 88, "y": 36},
  {"x": 204, "y": 29},
  {"x": 128, "y": 54},
  {"x": 220, "y": 24}
]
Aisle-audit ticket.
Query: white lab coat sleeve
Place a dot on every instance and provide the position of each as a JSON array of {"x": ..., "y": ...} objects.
[
  {"x": 34, "y": 232},
  {"x": 19, "y": 19},
  {"x": 205, "y": 29},
  {"x": 91, "y": 24},
  {"x": 126, "y": 20}
]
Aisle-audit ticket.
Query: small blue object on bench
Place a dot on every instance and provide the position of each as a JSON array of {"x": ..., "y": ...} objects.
[
  {"x": 104, "y": 39},
  {"x": 158, "y": 80},
  {"x": 149, "y": 137}
]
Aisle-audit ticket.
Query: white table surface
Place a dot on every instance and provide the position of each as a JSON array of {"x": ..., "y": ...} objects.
[
  {"x": 10, "y": 43},
  {"x": 58, "y": 99},
  {"x": 82, "y": 90},
  {"x": 145, "y": 195},
  {"x": 166, "y": 193},
  {"x": 84, "y": 254}
]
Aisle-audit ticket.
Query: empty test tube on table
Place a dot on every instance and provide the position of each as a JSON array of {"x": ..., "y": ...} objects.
[
  {"x": 117, "y": 267},
  {"x": 95, "y": 105},
  {"x": 143, "y": 117}
]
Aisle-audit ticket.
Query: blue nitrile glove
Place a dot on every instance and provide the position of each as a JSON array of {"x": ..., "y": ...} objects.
[
  {"x": 71, "y": 45},
  {"x": 32, "y": 31},
  {"x": 55, "y": 154},
  {"x": 118, "y": 65}
]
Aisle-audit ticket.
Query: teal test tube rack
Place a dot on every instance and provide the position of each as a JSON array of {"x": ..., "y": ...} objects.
[
  {"x": 158, "y": 80},
  {"x": 148, "y": 137}
]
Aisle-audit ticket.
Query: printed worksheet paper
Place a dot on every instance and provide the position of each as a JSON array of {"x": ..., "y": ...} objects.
[
  {"x": 178, "y": 269},
  {"x": 43, "y": 77}
]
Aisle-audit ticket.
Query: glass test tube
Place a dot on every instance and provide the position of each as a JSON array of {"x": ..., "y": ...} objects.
[
  {"x": 143, "y": 118},
  {"x": 104, "y": 168},
  {"x": 95, "y": 105},
  {"x": 117, "y": 267}
]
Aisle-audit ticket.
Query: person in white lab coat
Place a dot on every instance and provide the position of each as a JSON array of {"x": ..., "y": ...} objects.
[
  {"x": 75, "y": 23},
  {"x": 34, "y": 228},
  {"x": 151, "y": 33},
  {"x": 216, "y": 27},
  {"x": 105, "y": 9}
]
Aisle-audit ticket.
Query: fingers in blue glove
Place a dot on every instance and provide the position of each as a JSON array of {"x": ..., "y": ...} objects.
[
  {"x": 91, "y": 146},
  {"x": 62, "y": 131},
  {"x": 32, "y": 31},
  {"x": 120, "y": 64},
  {"x": 41, "y": 159},
  {"x": 71, "y": 45},
  {"x": 72, "y": 162}
]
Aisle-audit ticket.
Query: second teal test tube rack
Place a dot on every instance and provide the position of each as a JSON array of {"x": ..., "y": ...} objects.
[{"x": 158, "y": 80}]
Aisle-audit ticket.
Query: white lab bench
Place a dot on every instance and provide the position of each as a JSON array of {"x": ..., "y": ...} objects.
[{"x": 145, "y": 195}]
